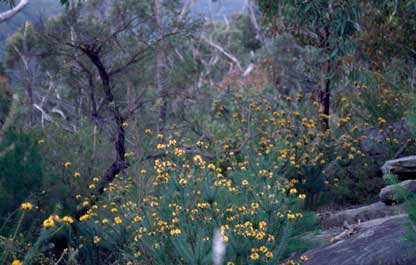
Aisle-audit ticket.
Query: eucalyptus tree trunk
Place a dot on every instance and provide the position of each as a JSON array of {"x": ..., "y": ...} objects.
[
  {"x": 160, "y": 61},
  {"x": 120, "y": 163}
]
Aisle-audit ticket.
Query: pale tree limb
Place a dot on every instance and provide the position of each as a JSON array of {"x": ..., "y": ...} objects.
[
  {"x": 185, "y": 9},
  {"x": 253, "y": 20},
  {"x": 12, "y": 12},
  {"x": 223, "y": 51}
]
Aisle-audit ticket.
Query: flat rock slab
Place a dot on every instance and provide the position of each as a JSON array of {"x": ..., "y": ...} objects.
[
  {"x": 365, "y": 213},
  {"x": 377, "y": 242}
]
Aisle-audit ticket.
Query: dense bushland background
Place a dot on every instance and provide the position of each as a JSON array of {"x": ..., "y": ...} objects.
[{"x": 137, "y": 129}]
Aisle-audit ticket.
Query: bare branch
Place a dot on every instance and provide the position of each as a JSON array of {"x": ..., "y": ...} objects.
[
  {"x": 223, "y": 51},
  {"x": 12, "y": 12}
]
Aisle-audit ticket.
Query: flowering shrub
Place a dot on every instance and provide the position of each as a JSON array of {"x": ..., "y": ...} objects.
[
  {"x": 236, "y": 195},
  {"x": 250, "y": 184},
  {"x": 252, "y": 207}
]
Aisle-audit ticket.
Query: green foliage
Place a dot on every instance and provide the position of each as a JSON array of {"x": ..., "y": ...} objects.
[
  {"x": 411, "y": 211},
  {"x": 190, "y": 199},
  {"x": 234, "y": 155},
  {"x": 20, "y": 169},
  {"x": 331, "y": 21}
]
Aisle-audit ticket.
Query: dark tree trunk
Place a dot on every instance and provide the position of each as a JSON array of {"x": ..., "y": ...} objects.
[
  {"x": 120, "y": 162},
  {"x": 324, "y": 98},
  {"x": 325, "y": 84}
]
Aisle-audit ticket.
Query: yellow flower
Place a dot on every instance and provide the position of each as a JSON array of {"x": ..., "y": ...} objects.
[
  {"x": 254, "y": 256},
  {"x": 118, "y": 220},
  {"x": 175, "y": 232},
  {"x": 293, "y": 191},
  {"x": 263, "y": 249},
  {"x": 303, "y": 258},
  {"x": 183, "y": 181},
  {"x": 160, "y": 136},
  {"x": 125, "y": 124},
  {"x": 381, "y": 120},
  {"x": 96, "y": 239},
  {"x": 225, "y": 239},
  {"x": 77, "y": 174},
  {"x": 269, "y": 254},
  {"x": 104, "y": 221},
  {"x": 67, "y": 164},
  {"x": 68, "y": 219},
  {"x": 230, "y": 263},
  {"x": 147, "y": 131},
  {"x": 48, "y": 223},
  {"x": 26, "y": 206},
  {"x": 351, "y": 156},
  {"x": 302, "y": 196},
  {"x": 244, "y": 182},
  {"x": 84, "y": 217},
  {"x": 16, "y": 262},
  {"x": 291, "y": 216}
]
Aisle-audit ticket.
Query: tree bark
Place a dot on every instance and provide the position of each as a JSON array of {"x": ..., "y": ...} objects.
[
  {"x": 120, "y": 162},
  {"x": 325, "y": 89},
  {"x": 159, "y": 67},
  {"x": 324, "y": 97}
]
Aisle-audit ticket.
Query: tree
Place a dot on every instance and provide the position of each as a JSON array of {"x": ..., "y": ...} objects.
[
  {"x": 105, "y": 44},
  {"x": 325, "y": 25}
]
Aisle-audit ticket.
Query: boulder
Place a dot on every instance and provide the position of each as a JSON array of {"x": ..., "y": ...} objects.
[
  {"x": 404, "y": 168},
  {"x": 397, "y": 193},
  {"x": 365, "y": 213},
  {"x": 374, "y": 144},
  {"x": 376, "y": 242}
]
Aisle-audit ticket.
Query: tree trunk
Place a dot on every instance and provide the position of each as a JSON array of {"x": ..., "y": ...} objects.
[
  {"x": 324, "y": 97},
  {"x": 325, "y": 86},
  {"x": 160, "y": 58},
  {"x": 120, "y": 162}
]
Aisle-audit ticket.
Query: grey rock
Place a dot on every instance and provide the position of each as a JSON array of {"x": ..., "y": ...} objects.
[
  {"x": 365, "y": 213},
  {"x": 397, "y": 193},
  {"x": 376, "y": 242},
  {"x": 374, "y": 145},
  {"x": 404, "y": 168}
]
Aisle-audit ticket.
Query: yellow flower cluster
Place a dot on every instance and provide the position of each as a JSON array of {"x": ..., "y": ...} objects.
[{"x": 26, "y": 206}]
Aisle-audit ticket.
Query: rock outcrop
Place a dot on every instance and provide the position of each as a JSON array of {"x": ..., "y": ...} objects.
[
  {"x": 397, "y": 193},
  {"x": 364, "y": 213},
  {"x": 404, "y": 168},
  {"x": 375, "y": 242}
]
